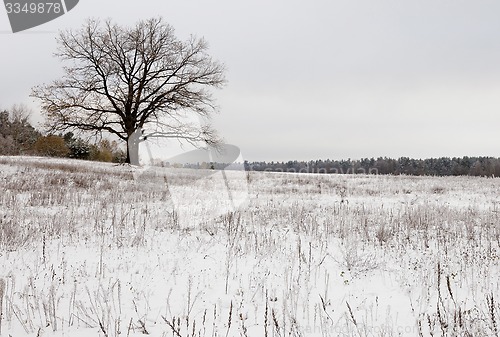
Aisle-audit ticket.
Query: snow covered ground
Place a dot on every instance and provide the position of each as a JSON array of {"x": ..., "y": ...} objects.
[{"x": 92, "y": 249}]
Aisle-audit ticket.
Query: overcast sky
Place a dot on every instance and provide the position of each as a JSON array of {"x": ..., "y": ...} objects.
[{"x": 318, "y": 79}]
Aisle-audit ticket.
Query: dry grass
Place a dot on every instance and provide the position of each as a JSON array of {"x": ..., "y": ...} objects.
[{"x": 292, "y": 257}]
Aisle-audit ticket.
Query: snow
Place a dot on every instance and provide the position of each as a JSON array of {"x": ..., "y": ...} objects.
[{"x": 93, "y": 249}]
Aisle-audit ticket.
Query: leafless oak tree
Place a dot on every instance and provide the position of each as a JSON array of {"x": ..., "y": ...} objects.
[{"x": 134, "y": 82}]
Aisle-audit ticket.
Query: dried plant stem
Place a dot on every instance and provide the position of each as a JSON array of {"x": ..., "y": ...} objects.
[
  {"x": 230, "y": 318},
  {"x": 171, "y": 325},
  {"x": 2, "y": 291},
  {"x": 352, "y": 315}
]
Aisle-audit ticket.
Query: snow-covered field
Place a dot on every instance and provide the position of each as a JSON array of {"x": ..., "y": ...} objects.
[{"x": 92, "y": 249}]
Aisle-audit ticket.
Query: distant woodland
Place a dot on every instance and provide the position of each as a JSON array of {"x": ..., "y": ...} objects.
[
  {"x": 19, "y": 137},
  {"x": 444, "y": 166},
  {"x": 464, "y": 166}
]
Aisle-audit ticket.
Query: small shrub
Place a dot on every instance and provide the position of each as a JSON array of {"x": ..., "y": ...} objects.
[{"x": 51, "y": 146}]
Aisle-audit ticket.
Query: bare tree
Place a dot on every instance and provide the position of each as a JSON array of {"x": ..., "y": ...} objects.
[{"x": 134, "y": 82}]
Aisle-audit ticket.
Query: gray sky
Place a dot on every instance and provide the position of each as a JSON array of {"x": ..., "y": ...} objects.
[{"x": 318, "y": 79}]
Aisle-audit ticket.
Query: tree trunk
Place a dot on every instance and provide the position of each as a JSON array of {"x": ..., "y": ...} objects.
[
  {"x": 127, "y": 161},
  {"x": 133, "y": 148}
]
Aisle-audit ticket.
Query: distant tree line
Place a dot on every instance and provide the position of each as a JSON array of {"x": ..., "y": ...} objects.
[
  {"x": 444, "y": 166},
  {"x": 19, "y": 137}
]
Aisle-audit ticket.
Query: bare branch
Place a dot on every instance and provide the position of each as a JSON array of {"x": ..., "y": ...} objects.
[{"x": 118, "y": 79}]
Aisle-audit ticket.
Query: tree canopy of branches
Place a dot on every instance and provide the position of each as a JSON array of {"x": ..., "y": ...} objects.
[{"x": 134, "y": 82}]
